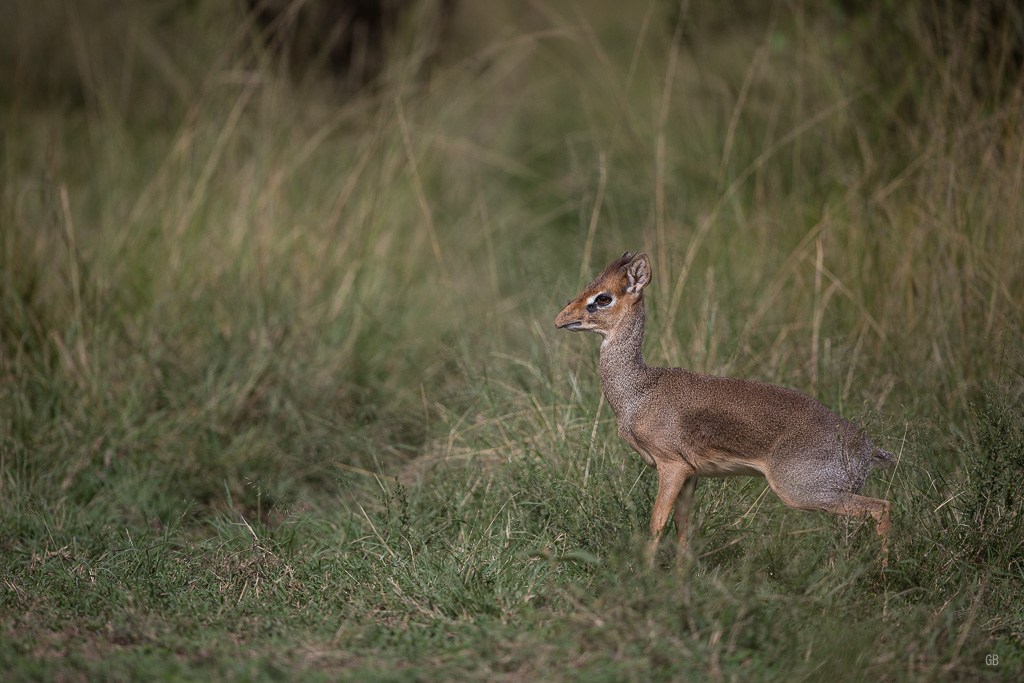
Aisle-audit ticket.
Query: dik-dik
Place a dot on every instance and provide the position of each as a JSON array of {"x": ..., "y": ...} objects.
[{"x": 688, "y": 425}]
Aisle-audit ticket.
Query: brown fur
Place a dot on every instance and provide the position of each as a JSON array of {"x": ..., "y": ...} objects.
[{"x": 687, "y": 425}]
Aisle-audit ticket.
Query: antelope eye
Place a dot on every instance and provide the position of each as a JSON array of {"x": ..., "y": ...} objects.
[{"x": 603, "y": 299}]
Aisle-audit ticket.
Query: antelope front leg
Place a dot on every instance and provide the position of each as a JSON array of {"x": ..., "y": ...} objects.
[
  {"x": 671, "y": 477},
  {"x": 684, "y": 504}
]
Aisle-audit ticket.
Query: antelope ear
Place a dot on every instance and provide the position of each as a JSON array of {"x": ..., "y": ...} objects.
[{"x": 638, "y": 274}]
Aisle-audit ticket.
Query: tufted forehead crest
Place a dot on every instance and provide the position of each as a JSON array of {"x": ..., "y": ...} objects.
[{"x": 615, "y": 266}]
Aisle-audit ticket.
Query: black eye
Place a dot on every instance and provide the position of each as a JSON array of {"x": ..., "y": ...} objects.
[{"x": 603, "y": 299}]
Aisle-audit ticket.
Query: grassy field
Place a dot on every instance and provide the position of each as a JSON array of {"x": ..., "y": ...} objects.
[{"x": 281, "y": 397}]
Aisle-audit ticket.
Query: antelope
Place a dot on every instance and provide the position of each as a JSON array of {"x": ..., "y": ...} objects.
[{"x": 688, "y": 425}]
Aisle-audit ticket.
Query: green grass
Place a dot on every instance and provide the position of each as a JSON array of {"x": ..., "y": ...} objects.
[{"x": 281, "y": 397}]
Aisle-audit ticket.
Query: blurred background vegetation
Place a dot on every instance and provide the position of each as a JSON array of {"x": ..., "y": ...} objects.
[{"x": 276, "y": 289}]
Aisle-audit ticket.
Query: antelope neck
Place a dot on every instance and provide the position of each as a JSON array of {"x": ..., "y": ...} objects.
[{"x": 622, "y": 362}]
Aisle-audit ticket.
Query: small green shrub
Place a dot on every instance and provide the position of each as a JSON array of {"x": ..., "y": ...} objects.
[{"x": 991, "y": 525}]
